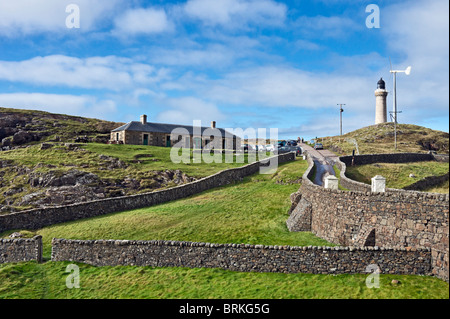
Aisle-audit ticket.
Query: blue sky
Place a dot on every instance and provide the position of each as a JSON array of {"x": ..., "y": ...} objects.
[{"x": 241, "y": 63}]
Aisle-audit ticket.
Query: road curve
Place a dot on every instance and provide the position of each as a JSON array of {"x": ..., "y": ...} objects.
[{"x": 324, "y": 161}]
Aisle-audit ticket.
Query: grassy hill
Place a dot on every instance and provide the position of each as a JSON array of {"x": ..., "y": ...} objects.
[
  {"x": 40, "y": 126},
  {"x": 64, "y": 172},
  {"x": 380, "y": 139}
]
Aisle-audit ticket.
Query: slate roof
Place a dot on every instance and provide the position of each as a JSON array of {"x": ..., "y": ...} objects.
[{"x": 161, "y": 128}]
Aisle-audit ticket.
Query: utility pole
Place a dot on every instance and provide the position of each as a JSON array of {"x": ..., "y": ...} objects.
[
  {"x": 341, "y": 111},
  {"x": 394, "y": 118}
]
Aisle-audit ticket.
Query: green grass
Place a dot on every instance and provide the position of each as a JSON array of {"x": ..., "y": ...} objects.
[
  {"x": 376, "y": 139},
  {"x": 253, "y": 211},
  {"x": 162, "y": 155},
  {"x": 143, "y": 164},
  {"x": 48, "y": 281},
  {"x": 397, "y": 175},
  {"x": 87, "y": 159},
  {"x": 338, "y": 175}
]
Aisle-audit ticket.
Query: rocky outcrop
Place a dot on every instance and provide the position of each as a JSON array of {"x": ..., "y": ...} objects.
[
  {"x": 57, "y": 178},
  {"x": 20, "y": 127}
]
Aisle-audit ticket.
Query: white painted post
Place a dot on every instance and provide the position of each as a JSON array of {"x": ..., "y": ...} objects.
[
  {"x": 378, "y": 184},
  {"x": 331, "y": 182}
]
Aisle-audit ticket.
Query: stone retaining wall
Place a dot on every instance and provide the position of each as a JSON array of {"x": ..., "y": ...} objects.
[
  {"x": 396, "y": 218},
  {"x": 38, "y": 218},
  {"x": 240, "y": 257},
  {"x": 387, "y": 158},
  {"x": 13, "y": 250},
  {"x": 353, "y": 185}
]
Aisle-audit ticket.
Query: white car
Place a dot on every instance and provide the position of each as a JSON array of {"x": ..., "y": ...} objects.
[{"x": 270, "y": 148}]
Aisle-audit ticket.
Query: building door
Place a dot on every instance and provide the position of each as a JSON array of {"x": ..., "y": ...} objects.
[
  {"x": 145, "y": 139},
  {"x": 168, "y": 141},
  {"x": 197, "y": 142}
]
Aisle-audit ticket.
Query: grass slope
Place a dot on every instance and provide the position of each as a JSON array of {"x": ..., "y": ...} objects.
[
  {"x": 397, "y": 175},
  {"x": 50, "y": 125},
  {"x": 253, "y": 211},
  {"x": 143, "y": 164},
  {"x": 379, "y": 138},
  {"x": 48, "y": 281}
]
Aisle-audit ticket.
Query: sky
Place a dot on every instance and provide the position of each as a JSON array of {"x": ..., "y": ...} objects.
[{"x": 241, "y": 63}]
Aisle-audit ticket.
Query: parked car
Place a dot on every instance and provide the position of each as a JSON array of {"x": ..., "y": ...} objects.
[
  {"x": 318, "y": 146},
  {"x": 270, "y": 148},
  {"x": 252, "y": 148},
  {"x": 281, "y": 143},
  {"x": 286, "y": 149},
  {"x": 292, "y": 143}
]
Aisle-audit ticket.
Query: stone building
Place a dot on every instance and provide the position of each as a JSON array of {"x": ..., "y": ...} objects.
[{"x": 159, "y": 134}]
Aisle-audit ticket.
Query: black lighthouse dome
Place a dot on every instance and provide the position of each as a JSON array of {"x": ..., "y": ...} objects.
[{"x": 381, "y": 84}]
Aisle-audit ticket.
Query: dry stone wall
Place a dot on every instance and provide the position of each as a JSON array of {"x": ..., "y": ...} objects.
[
  {"x": 13, "y": 250},
  {"x": 395, "y": 218},
  {"x": 38, "y": 218},
  {"x": 242, "y": 257}
]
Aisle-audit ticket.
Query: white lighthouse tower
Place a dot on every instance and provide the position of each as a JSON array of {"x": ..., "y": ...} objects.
[{"x": 380, "y": 106}]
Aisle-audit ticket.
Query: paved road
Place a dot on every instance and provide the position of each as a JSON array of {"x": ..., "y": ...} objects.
[{"x": 324, "y": 160}]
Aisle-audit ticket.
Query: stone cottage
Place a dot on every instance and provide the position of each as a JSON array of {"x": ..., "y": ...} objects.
[{"x": 159, "y": 134}]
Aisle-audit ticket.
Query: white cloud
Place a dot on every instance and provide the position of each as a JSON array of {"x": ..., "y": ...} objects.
[
  {"x": 40, "y": 16},
  {"x": 212, "y": 56},
  {"x": 237, "y": 13},
  {"x": 185, "y": 110},
  {"x": 84, "y": 105},
  {"x": 318, "y": 27},
  {"x": 418, "y": 35},
  {"x": 142, "y": 21},
  {"x": 112, "y": 73},
  {"x": 282, "y": 86},
  {"x": 307, "y": 45}
]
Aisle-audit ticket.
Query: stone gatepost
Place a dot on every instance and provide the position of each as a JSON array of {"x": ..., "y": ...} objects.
[
  {"x": 331, "y": 182},
  {"x": 378, "y": 184}
]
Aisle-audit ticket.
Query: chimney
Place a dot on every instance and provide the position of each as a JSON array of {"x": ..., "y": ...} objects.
[
  {"x": 144, "y": 119},
  {"x": 213, "y": 124}
]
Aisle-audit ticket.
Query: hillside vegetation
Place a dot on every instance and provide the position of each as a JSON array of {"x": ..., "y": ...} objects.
[
  {"x": 42, "y": 166},
  {"x": 380, "y": 139},
  {"x": 253, "y": 211},
  {"x": 24, "y": 127}
]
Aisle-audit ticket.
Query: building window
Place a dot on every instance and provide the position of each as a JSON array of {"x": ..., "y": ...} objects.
[{"x": 117, "y": 136}]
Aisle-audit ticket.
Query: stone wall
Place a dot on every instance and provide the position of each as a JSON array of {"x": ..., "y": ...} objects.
[
  {"x": 13, "y": 250},
  {"x": 242, "y": 257},
  {"x": 353, "y": 185},
  {"x": 387, "y": 158},
  {"x": 393, "y": 219},
  {"x": 428, "y": 182},
  {"x": 38, "y": 218}
]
